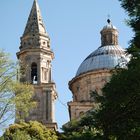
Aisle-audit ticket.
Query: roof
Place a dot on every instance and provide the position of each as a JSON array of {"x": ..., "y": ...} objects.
[
  {"x": 106, "y": 57},
  {"x": 109, "y": 25},
  {"x": 35, "y": 22}
]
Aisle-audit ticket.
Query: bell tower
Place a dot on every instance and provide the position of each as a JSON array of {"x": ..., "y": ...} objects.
[{"x": 35, "y": 58}]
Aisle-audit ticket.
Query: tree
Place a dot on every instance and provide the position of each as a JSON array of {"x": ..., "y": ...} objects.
[
  {"x": 132, "y": 7},
  {"x": 29, "y": 131},
  {"x": 23, "y": 99},
  {"x": 12, "y": 93},
  {"x": 119, "y": 113},
  {"x": 18, "y": 135},
  {"x": 6, "y": 75},
  {"x": 82, "y": 129}
]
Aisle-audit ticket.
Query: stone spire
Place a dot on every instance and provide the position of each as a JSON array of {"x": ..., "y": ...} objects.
[
  {"x": 35, "y": 23},
  {"x": 109, "y": 34},
  {"x": 35, "y": 35}
]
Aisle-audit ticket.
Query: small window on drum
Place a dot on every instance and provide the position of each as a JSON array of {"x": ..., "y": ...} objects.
[
  {"x": 34, "y": 73},
  {"x": 81, "y": 113}
]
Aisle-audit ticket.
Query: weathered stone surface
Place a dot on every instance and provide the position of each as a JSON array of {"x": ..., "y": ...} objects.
[
  {"x": 81, "y": 88},
  {"x": 35, "y": 57}
]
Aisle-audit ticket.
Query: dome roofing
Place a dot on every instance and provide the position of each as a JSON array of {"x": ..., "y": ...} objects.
[
  {"x": 109, "y": 26},
  {"x": 105, "y": 57},
  {"x": 108, "y": 55}
]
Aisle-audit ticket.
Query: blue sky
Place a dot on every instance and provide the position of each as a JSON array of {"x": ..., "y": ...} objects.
[{"x": 74, "y": 28}]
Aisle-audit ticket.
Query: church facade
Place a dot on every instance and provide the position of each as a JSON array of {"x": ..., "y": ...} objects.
[{"x": 35, "y": 58}]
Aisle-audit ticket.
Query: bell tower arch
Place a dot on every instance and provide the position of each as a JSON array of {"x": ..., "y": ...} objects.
[{"x": 34, "y": 73}]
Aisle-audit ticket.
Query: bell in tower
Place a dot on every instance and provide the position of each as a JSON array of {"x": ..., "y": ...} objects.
[
  {"x": 35, "y": 58},
  {"x": 34, "y": 73}
]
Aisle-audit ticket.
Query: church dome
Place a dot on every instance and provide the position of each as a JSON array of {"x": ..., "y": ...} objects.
[{"x": 108, "y": 55}]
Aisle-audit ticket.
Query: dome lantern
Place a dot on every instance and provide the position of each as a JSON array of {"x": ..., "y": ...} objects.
[{"x": 109, "y": 34}]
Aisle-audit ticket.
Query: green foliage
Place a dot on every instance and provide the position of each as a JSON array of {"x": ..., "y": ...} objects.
[
  {"x": 23, "y": 99},
  {"x": 29, "y": 131},
  {"x": 20, "y": 135},
  {"x": 7, "y": 72},
  {"x": 82, "y": 129},
  {"x": 71, "y": 126},
  {"x": 12, "y": 92},
  {"x": 119, "y": 112},
  {"x": 132, "y": 7},
  {"x": 81, "y": 136}
]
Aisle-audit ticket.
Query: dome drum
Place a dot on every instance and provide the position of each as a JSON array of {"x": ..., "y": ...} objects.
[{"x": 82, "y": 85}]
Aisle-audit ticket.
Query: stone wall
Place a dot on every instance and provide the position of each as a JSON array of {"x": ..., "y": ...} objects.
[{"x": 82, "y": 87}]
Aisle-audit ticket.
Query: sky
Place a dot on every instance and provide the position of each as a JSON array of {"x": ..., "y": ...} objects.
[{"x": 74, "y": 28}]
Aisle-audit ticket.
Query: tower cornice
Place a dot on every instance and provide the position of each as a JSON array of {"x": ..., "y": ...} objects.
[{"x": 48, "y": 52}]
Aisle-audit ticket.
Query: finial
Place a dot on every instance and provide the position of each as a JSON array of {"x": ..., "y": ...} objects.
[{"x": 108, "y": 20}]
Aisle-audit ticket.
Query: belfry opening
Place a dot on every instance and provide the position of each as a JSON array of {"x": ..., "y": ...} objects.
[{"x": 34, "y": 73}]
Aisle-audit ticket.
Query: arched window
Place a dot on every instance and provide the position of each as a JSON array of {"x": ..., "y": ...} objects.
[{"x": 34, "y": 73}]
